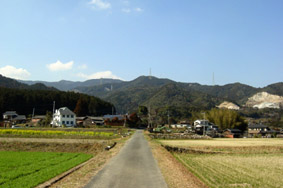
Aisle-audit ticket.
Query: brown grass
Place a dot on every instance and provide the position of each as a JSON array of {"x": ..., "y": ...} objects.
[{"x": 175, "y": 174}]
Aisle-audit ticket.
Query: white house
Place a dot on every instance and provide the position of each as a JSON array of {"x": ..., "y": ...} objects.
[{"x": 64, "y": 116}]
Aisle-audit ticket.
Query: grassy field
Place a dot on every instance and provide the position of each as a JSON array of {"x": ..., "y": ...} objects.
[
  {"x": 237, "y": 163},
  {"x": 28, "y": 169}
]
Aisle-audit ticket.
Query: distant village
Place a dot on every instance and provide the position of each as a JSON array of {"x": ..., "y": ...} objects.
[{"x": 65, "y": 118}]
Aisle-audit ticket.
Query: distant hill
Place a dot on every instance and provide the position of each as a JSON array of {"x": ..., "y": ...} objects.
[
  {"x": 65, "y": 85},
  {"x": 145, "y": 90},
  {"x": 158, "y": 93},
  {"x": 237, "y": 92},
  {"x": 11, "y": 83},
  {"x": 20, "y": 97},
  {"x": 276, "y": 89}
]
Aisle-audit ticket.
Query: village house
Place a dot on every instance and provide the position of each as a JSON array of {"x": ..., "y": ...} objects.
[
  {"x": 89, "y": 121},
  {"x": 37, "y": 119},
  {"x": 260, "y": 130},
  {"x": 232, "y": 133},
  {"x": 11, "y": 117},
  {"x": 64, "y": 117}
]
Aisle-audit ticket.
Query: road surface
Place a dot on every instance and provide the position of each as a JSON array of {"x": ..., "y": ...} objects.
[{"x": 133, "y": 167}]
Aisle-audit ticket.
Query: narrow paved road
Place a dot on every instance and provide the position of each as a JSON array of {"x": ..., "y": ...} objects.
[{"x": 133, "y": 167}]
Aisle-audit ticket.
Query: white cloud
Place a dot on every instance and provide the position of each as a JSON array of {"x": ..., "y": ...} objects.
[
  {"x": 13, "y": 72},
  {"x": 126, "y": 10},
  {"x": 129, "y": 10},
  {"x": 98, "y": 75},
  {"x": 84, "y": 66},
  {"x": 59, "y": 66},
  {"x": 138, "y": 10},
  {"x": 100, "y": 4}
]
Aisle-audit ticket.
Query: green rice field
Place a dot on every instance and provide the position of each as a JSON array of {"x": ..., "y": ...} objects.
[
  {"x": 29, "y": 169},
  {"x": 235, "y": 162}
]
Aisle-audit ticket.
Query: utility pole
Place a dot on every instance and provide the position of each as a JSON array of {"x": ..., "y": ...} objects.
[
  {"x": 53, "y": 113},
  {"x": 168, "y": 117},
  {"x": 149, "y": 118},
  {"x": 204, "y": 124},
  {"x": 32, "y": 115}
]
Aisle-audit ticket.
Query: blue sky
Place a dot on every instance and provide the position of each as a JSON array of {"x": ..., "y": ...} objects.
[{"x": 183, "y": 40}]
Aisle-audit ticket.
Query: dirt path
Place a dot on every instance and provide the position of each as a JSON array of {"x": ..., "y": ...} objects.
[{"x": 134, "y": 166}]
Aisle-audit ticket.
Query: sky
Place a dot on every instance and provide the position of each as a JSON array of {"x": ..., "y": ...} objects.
[{"x": 183, "y": 40}]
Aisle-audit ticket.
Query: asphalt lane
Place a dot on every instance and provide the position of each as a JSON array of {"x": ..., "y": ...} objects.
[{"x": 133, "y": 167}]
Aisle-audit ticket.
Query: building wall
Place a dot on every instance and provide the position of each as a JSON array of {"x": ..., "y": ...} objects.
[{"x": 67, "y": 120}]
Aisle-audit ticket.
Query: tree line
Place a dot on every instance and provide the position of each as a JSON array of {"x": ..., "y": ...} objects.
[{"x": 24, "y": 101}]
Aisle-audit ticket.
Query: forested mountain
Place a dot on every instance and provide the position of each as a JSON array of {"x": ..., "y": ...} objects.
[
  {"x": 161, "y": 93},
  {"x": 65, "y": 85},
  {"x": 237, "y": 92},
  {"x": 23, "y": 101},
  {"x": 23, "y": 98},
  {"x": 276, "y": 89},
  {"x": 157, "y": 93},
  {"x": 11, "y": 83}
]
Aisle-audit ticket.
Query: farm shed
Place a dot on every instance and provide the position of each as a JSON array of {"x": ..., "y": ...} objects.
[{"x": 232, "y": 133}]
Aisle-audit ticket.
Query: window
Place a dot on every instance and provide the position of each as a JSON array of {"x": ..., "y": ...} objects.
[
  {"x": 67, "y": 122},
  {"x": 72, "y": 123},
  {"x": 63, "y": 116},
  {"x": 67, "y": 116},
  {"x": 63, "y": 122},
  {"x": 72, "y": 116}
]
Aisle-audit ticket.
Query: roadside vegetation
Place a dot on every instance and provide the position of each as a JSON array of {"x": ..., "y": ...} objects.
[
  {"x": 28, "y": 169},
  {"x": 233, "y": 162}
]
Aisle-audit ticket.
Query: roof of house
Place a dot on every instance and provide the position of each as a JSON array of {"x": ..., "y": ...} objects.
[
  {"x": 234, "y": 130},
  {"x": 39, "y": 117},
  {"x": 257, "y": 126},
  {"x": 20, "y": 117},
  {"x": 65, "y": 111},
  {"x": 10, "y": 113},
  {"x": 120, "y": 117}
]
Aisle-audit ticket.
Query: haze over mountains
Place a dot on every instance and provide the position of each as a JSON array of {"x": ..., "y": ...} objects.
[{"x": 160, "y": 93}]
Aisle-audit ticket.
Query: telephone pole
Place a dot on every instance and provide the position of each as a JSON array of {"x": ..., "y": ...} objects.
[
  {"x": 168, "y": 117},
  {"x": 149, "y": 118}
]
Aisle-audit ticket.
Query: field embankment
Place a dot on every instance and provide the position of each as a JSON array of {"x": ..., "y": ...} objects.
[{"x": 233, "y": 162}]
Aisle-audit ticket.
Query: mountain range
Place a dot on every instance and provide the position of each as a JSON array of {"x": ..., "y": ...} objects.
[{"x": 159, "y": 93}]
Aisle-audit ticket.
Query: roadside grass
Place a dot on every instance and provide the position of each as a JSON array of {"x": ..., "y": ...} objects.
[
  {"x": 28, "y": 169},
  {"x": 237, "y": 163}
]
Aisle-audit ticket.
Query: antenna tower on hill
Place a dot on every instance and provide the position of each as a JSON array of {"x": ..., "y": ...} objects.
[{"x": 150, "y": 73}]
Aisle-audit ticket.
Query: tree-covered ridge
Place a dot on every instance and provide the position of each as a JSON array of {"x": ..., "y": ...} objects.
[
  {"x": 65, "y": 85},
  {"x": 24, "y": 100},
  {"x": 11, "y": 83},
  {"x": 145, "y": 90}
]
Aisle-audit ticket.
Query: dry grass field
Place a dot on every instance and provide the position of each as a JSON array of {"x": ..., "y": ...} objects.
[{"x": 236, "y": 163}]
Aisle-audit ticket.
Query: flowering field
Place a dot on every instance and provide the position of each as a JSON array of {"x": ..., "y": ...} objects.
[
  {"x": 28, "y": 169},
  {"x": 55, "y": 133}
]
